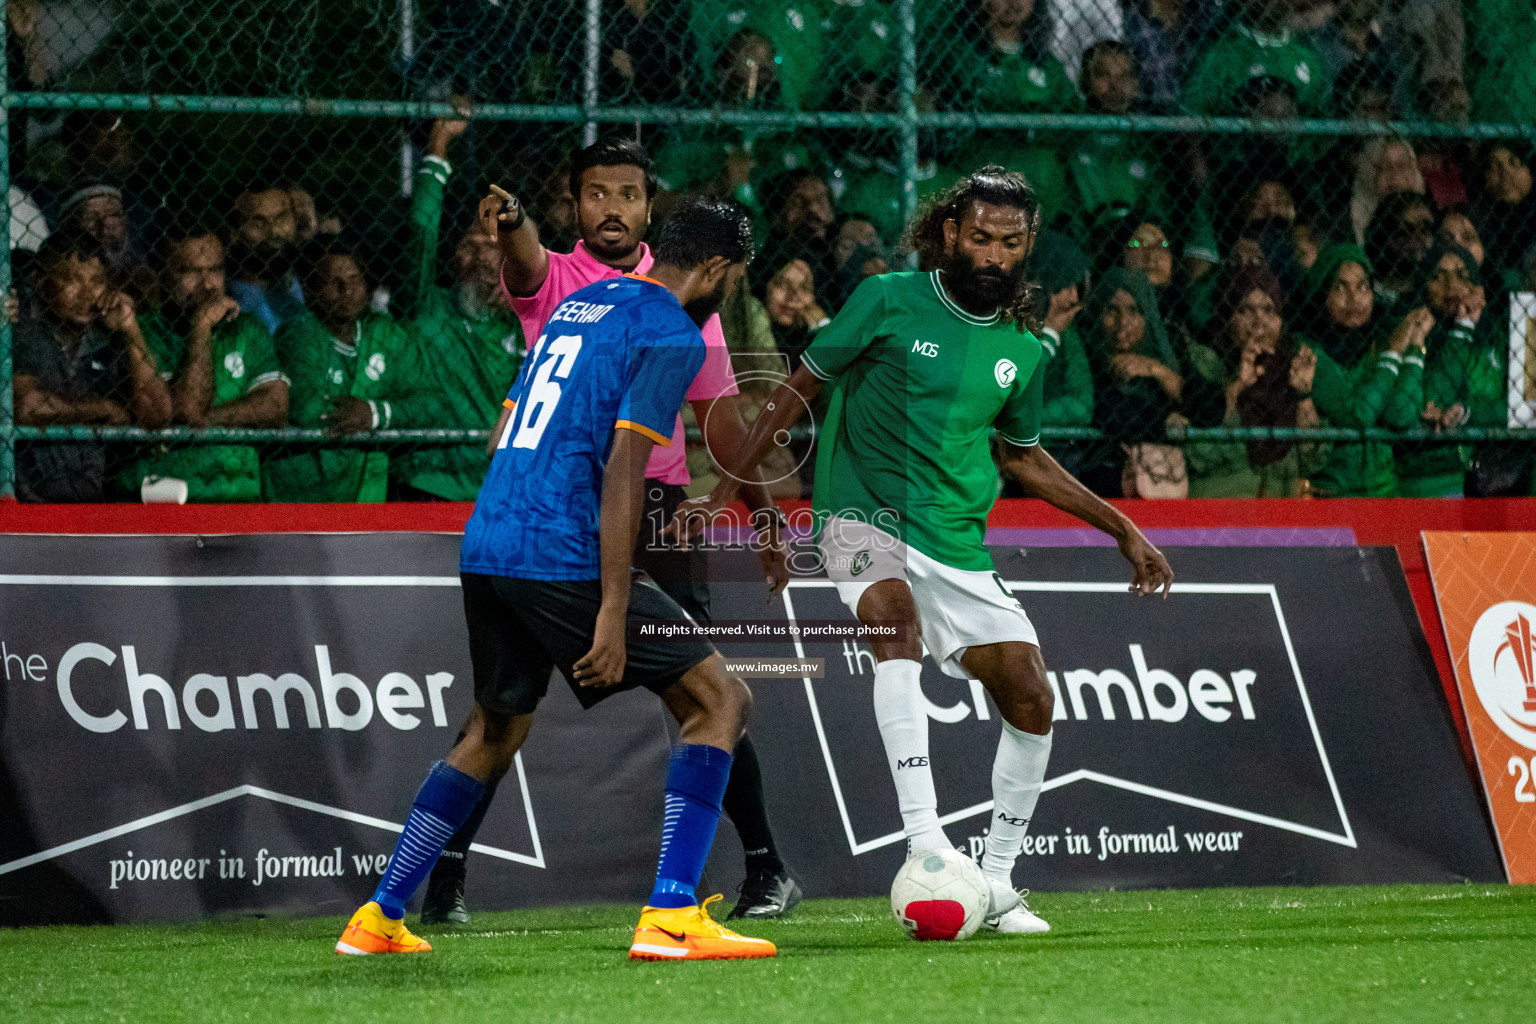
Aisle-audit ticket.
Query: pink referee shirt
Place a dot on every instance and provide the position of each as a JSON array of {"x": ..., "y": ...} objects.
[{"x": 577, "y": 269}]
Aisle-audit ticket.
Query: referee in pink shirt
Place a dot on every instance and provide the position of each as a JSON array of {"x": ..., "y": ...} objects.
[{"x": 613, "y": 185}]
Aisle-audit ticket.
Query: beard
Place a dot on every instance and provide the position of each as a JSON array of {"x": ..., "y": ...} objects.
[
  {"x": 981, "y": 288},
  {"x": 118, "y": 254},
  {"x": 258, "y": 263},
  {"x": 699, "y": 310},
  {"x": 476, "y": 298},
  {"x": 612, "y": 252}
]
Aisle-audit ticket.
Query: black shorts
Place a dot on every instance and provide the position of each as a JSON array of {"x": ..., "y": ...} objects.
[
  {"x": 520, "y": 630},
  {"x": 682, "y": 575}
]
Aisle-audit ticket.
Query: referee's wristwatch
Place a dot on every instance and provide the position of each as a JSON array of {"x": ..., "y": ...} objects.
[{"x": 513, "y": 205}]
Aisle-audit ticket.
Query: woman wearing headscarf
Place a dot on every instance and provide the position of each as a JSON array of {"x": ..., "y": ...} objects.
[
  {"x": 1060, "y": 269},
  {"x": 1506, "y": 208},
  {"x": 1139, "y": 241},
  {"x": 767, "y": 326},
  {"x": 1357, "y": 384},
  {"x": 1138, "y": 379},
  {"x": 1265, "y": 380},
  {"x": 1464, "y": 375}
]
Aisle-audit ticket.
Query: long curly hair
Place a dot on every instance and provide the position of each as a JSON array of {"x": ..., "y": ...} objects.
[{"x": 995, "y": 186}]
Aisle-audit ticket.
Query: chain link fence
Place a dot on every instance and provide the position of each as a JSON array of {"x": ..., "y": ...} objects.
[{"x": 1286, "y": 247}]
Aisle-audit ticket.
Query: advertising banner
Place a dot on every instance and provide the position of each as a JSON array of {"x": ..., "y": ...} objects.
[
  {"x": 1486, "y": 587},
  {"x": 205, "y": 725},
  {"x": 196, "y": 726},
  {"x": 1277, "y": 720}
]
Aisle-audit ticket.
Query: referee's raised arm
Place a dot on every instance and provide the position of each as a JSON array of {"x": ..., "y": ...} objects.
[{"x": 524, "y": 260}]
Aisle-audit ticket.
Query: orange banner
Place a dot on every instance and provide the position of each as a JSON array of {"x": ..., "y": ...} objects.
[{"x": 1485, "y": 584}]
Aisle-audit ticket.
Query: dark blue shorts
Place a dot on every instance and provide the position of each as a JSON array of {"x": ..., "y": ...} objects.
[{"x": 521, "y": 630}]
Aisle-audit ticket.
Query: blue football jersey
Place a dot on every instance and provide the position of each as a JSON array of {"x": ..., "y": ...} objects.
[{"x": 618, "y": 353}]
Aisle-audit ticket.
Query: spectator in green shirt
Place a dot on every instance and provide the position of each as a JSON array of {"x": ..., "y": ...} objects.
[
  {"x": 221, "y": 368},
  {"x": 794, "y": 28},
  {"x": 1258, "y": 45},
  {"x": 1110, "y": 167},
  {"x": 1127, "y": 169},
  {"x": 736, "y": 162},
  {"x": 1002, "y": 62},
  {"x": 1465, "y": 383},
  {"x": 862, "y": 38},
  {"x": 866, "y": 180},
  {"x": 352, "y": 372},
  {"x": 1359, "y": 382},
  {"x": 1011, "y": 67},
  {"x": 467, "y": 334}
]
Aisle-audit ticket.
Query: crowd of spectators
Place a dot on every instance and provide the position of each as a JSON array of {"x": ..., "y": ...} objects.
[{"x": 1260, "y": 279}]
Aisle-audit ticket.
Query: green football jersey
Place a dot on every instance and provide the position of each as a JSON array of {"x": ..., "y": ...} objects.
[
  {"x": 383, "y": 366},
  {"x": 243, "y": 359},
  {"x": 473, "y": 359},
  {"x": 1225, "y": 67},
  {"x": 919, "y": 386},
  {"x": 795, "y": 29}
]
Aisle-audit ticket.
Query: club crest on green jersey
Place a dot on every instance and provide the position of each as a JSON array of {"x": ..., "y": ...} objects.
[{"x": 1005, "y": 372}]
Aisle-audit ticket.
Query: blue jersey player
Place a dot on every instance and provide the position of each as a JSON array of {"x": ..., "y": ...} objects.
[{"x": 547, "y": 584}]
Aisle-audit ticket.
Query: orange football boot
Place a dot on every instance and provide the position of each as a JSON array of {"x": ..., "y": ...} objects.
[
  {"x": 370, "y": 931},
  {"x": 689, "y": 933}
]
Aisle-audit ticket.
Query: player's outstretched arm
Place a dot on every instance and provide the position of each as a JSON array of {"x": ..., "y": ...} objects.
[
  {"x": 618, "y": 525},
  {"x": 1042, "y": 477},
  {"x": 785, "y": 406},
  {"x": 524, "y": 260}
]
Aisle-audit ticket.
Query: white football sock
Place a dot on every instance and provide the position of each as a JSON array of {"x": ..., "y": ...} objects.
[
  {"x": 903, "y": 722},
  {"x": 1016, "y": 777}
]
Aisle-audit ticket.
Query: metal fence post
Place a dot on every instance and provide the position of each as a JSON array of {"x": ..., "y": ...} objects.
[
  {"x": 407, "y": 55},
  {"x": 591, "y": 69},
  {"x": 906, "y": 31},
  {"x": 7, "y": 411}
]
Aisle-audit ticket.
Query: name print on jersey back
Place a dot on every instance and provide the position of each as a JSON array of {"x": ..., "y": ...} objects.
[{"x": 618, "y": 354}]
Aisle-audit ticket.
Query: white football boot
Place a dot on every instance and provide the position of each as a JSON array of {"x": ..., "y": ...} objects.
[{"x": 1008, "y": 914}]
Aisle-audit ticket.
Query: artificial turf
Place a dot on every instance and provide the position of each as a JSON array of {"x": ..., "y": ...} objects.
[{"x": 1401, "y": 953}]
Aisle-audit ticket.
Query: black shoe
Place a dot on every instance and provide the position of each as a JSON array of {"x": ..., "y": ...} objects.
[
  {"x": 765, "y": 894},
  {"x": 444, "y": 902}
]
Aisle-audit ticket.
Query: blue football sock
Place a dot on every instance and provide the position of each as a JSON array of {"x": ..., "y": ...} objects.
[
  {"x": 443, "y": 803},
  {"x": 695, "y": 784}
]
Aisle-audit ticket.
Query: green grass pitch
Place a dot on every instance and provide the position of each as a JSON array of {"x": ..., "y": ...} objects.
[{"x": 1402, "y": 953}]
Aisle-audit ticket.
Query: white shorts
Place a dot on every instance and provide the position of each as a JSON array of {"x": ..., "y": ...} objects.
[{"x": 957, "y": 608}]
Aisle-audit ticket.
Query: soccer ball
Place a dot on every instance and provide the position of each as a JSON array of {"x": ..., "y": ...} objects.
[{"x": 940, "y": 896}]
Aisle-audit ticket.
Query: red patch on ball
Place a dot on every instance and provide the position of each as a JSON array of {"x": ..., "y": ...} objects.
[{"x": 935, "y": 920}]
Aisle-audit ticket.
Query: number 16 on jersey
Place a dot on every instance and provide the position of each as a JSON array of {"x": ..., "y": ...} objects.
[{"x": 542, "y": 394}]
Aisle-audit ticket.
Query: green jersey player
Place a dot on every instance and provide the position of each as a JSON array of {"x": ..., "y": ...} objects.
[{"x": 923, "y": 368}]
